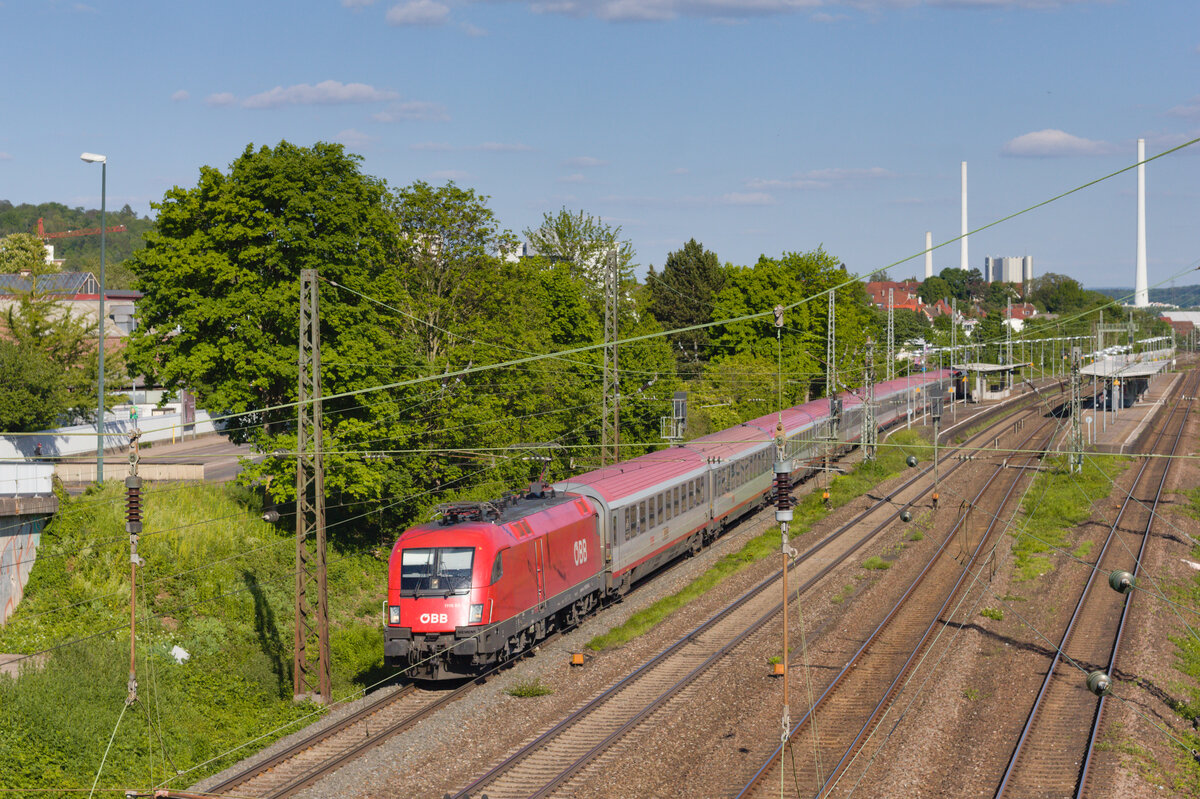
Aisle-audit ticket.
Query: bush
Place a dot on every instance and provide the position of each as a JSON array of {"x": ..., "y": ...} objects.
[{"x": 525, "y": 689}]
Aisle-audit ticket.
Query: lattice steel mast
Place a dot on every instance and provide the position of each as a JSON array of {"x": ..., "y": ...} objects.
[
  {"x": 890, "y": 367},
  {"x": 310, "y": 506},
  {"x": 610, "y": 426},
  {"x": 870, "y": 431}
]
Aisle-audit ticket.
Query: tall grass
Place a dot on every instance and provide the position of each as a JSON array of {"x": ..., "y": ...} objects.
[
  {"x": 1056, "y": 504},
  {"x": 217, "y": 583}
]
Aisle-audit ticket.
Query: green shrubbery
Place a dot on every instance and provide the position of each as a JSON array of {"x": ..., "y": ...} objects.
[
  {"x": 1057, "y": 503},
  {"x": 230, "y": 608}
]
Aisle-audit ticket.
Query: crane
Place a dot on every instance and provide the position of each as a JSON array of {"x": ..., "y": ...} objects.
[{"x": 92, "y": 231}]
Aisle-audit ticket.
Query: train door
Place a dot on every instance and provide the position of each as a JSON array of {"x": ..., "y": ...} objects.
[{"x": 539, "y": 559}]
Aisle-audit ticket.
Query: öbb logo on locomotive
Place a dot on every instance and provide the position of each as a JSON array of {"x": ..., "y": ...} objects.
[{"x": 488, "y": 580}]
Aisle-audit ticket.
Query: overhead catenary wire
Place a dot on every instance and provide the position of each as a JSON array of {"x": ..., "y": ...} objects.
[{"x": 976, "y": 579}]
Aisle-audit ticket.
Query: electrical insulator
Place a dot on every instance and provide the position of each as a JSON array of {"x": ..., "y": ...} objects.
[
  {"x": 905, "y": 516},
  {"x": 783, "y": 491},
  {"x": 911, "y": 460},
  {"x": 1121, "y": 582},
  {"x": 1099, "y": 683},
  {"x": 133, "y": 504}
]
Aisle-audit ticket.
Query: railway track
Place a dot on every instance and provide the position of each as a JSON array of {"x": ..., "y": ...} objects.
[
  {"x": 318, "y": 754},
  {"x": 1053, "y": 754},
  {"x": 326, "y": 750},
  {"x": 584, "y": 741},
  {"x": 853, "y": 704}
]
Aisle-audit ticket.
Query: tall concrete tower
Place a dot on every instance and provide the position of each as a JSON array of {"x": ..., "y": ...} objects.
[
  {"x": 1141, "y": 290},
  {"x": 962, "y": 259},
  {"x": 928, "y": 254}
]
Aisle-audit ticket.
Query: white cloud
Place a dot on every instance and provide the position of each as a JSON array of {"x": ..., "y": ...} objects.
[
  {"x": 327, "y": 92},
  {"x": 180, "y": 95},
  {"x": 413, "y": 110},
  {"x": 680, "y": 170},
  {"x": 584, "y": 161},
  {"x": 418, "y": 12},
  {"x": 747, "y": 198},
  {"x": 449, "y": 174},
  {"x": 1052, "y": 143},
  {"x": 822, "y": 178},
  {"x": 220, "y": 98},
  {"x": 501, "y": 147},
  {"x": 7, "y": 157},
  {"x": 1189, "y": 109},
  {"x": 473, "y": 30},
  {"x": 432, "y": 146},
  {"x": 733, "y": 11},
  {"x": 574, "y": 178},
  {"x": 357, "y": 4},
  {"x": 354, "y": 139}
]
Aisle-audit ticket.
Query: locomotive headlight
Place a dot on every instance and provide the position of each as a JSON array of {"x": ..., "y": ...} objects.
[
  {"x": 476, "y": 614},
  {"x": 394, "y": 614}
]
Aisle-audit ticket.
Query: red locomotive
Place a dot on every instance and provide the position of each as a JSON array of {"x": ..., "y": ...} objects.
[{"x": 489, "y": 579}]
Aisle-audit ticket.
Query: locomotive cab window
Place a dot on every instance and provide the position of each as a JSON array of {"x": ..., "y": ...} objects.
[
  {"x": 497, "y": 569},
  {"x": 436, "y": 570}
]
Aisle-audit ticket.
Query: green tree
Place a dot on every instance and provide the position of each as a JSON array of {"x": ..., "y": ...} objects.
[
  {"x": 82, "y": 253},
  {"x": 585, "y": 242},
  {"x": 52, "y": 365},
  {"x": 220, "y": 309},
  {"x": 23, "y": 252},
  {"x": 32, "y": 395},
  {"x": 801, "y": 278},
  {"x": 682, "y": 296},
  {"x": 1056, "y": 293},
  {"x": 935, "y": 288},
  {"x": 733, "y": 389}
]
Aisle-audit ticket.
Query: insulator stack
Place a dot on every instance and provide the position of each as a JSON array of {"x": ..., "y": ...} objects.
[
  {"x": 783, "y": 491},
  {"x": 133, "y": 504}
]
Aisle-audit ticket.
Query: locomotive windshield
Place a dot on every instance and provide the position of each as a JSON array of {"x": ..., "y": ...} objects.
[{"x": 436, "y": 570}]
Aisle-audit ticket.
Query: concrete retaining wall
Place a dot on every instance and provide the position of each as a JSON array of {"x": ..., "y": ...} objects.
[
  {"x": 81, "y": 439},
  {"x": 86, "y": 472},
  {"x": 19, "y": 537}
]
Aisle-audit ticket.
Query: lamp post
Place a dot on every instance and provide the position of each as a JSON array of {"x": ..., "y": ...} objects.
[{"x": 92, "y": 158}]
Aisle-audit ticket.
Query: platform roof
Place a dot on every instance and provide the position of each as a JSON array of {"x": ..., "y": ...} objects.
[
  {"x": 1113, "y": 368},
  {"x": 987, "y": 367}
]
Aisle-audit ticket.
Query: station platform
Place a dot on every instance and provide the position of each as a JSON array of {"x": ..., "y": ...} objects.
[{"x": 1130, "y": 430}]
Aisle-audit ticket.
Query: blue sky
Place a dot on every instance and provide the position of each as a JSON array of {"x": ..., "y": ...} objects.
[{"x": 756, "y": 127}]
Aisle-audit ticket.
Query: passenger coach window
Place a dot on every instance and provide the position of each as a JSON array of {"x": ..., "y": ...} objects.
[
  {"x": 675, "y": 493},
  {"x": 661, "y": 518},
  {"x": 642, "y": 524},
  {"x": 630, "y": 513},
  {"x": 691, "y": 494}
]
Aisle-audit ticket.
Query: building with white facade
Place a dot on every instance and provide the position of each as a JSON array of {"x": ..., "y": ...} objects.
[{"x": 1008, "y": 269}]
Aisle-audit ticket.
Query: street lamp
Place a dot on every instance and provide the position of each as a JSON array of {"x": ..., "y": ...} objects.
[{"x": 92, "y": 158}]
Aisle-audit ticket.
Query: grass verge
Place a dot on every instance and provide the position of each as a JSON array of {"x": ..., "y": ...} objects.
[
  {"x": 218, "y": 584},
  {"x": 1057, "y": 503}
]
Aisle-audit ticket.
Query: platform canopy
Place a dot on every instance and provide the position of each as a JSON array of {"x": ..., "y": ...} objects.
[
  {"x": 987, "y": 367},
  {"x": 1119, "y": 367}
]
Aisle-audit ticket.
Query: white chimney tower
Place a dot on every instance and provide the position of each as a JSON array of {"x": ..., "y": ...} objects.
[
  {"x": 963, "y": 260},
  {"x": 928, "y": 254},
  {"x": 1141, "y": 291}
]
